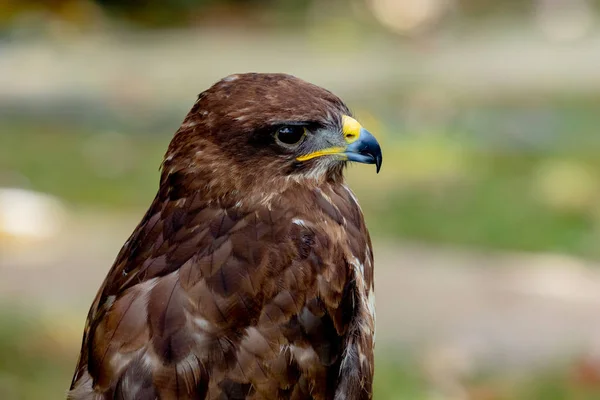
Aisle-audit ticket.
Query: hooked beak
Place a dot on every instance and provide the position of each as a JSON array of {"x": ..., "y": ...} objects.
[
  {"x": 361, "y": 145},
  {"x": 365, "y": 149}
]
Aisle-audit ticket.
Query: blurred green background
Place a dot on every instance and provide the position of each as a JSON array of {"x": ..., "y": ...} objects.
[{"x": 485, "y": 217}]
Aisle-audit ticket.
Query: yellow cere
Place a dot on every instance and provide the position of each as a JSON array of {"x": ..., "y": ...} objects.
[
  {"x": 324, "y": 152},
  {"x": 351, "y": 129}
]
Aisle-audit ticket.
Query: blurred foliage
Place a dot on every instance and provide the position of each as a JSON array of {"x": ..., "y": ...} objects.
[
  {"x": 516, "y": 174},
  {"x": 35, "y": 362},
  {"x": 102, "y": 169},
  {"x": 500, "y": 202},
  {"x": 153, "y": 13},
  {"x": 157, "y": 13}
]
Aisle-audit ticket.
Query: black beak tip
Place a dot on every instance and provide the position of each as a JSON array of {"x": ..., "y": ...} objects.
[{"x": 365, "y": 150}]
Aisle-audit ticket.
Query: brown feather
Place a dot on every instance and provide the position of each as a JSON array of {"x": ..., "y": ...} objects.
[{"x": 250, "y": 276}]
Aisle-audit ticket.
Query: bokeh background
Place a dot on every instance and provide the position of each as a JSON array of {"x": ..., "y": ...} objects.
[{"x": 485, "y": 217}]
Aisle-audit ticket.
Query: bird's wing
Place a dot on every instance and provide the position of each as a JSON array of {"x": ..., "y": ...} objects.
[{"x": 206, "y": 301}]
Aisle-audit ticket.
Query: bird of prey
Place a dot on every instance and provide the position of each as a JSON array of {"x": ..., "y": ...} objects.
[{"x": 251, "y": 274}]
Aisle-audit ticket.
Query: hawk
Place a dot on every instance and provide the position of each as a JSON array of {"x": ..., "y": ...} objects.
[{"x": 251, "y": 274}]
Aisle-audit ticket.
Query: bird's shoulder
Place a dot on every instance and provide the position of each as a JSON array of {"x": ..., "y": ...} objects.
[{"x": 191, "y": 236}]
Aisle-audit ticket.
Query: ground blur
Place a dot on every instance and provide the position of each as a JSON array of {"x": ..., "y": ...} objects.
[{"x": 485, "y": 216}]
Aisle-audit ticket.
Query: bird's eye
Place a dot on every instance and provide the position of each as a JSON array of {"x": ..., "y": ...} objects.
[{"x": 290, "y": 135}]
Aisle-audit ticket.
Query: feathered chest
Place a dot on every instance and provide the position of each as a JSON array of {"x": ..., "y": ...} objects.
[{"x": 237, "y": 298}]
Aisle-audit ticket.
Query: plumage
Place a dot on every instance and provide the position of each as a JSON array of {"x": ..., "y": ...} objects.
[{"x": 251, "y": 274}]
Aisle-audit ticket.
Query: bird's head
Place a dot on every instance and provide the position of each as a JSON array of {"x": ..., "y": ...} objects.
[{"x": 249, "y": 130}]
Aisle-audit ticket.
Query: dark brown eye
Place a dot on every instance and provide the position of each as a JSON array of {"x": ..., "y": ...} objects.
[{"x": 290, "y": 134}]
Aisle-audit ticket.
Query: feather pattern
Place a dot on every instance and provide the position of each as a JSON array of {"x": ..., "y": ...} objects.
[{"x": 236, "y": 284}]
